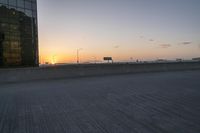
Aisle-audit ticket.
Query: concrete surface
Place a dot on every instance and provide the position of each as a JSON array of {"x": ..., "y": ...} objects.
[
  {"x": 141, "y": 103},
  {"x": 85, "y": 70}
]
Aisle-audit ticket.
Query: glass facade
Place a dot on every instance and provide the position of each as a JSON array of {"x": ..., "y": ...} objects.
[{"x": 18, "y": 33}]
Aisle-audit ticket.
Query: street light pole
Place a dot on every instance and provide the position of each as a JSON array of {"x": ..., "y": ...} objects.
[{"x": 78, "y": 55}]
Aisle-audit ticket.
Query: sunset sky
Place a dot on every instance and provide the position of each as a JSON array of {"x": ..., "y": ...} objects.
[{"x": 123, "y": 29}]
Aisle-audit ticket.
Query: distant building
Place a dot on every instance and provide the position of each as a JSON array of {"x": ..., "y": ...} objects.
[
  {"x": 179, "y": 60},
  {"x": 161, "y": 60},
  {"x": 18, "y": 33},
  {"x": 196, "y": 59}
]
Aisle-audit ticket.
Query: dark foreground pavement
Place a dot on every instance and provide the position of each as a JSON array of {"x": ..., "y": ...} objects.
[{"x": 139, "y": 103}]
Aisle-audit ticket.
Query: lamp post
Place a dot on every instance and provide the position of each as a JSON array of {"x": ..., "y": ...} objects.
[{"x": 78, "y": 50}]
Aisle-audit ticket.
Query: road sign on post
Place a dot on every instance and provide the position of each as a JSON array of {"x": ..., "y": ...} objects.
[{"x": 108, "y": 59}]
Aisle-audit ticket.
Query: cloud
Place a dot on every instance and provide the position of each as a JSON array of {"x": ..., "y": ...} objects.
[
  {"x": 142, "y": 37},
  {"x": 145, "y": 38},
  {"x": 185, "y": 43},
  {"x": 151, "y": 40},
  {"x": 117, "y": 46},
  {"x": 165, "y": 45}
]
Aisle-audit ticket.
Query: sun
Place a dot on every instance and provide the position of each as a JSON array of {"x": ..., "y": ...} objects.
[{"x": 53, "y": 60}]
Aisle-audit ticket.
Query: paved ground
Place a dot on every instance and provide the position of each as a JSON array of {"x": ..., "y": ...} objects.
[{"x": 140, "y": 103}]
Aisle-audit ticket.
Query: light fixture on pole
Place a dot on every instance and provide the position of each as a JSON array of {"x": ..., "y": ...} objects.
[{"x": 78, "y": 50}]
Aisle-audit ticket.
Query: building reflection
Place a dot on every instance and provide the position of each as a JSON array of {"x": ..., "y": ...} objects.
[{"x": 18, "y": 33}]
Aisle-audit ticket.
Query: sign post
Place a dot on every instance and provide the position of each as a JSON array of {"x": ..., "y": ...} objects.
[{"x": 108, "y": 59}]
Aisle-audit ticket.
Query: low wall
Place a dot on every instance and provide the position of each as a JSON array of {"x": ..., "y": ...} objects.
[{"x": 70, "y": 71}]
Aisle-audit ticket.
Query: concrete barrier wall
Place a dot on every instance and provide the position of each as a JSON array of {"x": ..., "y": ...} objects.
[{"x": 71, "y": 71}]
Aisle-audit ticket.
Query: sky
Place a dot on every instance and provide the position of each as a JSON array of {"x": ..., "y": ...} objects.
[{"x": 123, "y": 29}]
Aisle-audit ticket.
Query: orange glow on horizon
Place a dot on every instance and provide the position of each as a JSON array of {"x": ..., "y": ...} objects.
[
  {"x": 61, "y": 53},
  {"x": 62, "y": 58}
]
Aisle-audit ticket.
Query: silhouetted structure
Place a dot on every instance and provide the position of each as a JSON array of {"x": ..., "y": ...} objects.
[
  {"x": 108, "y": 59},
  {"x": 18, "y": 33},
  {"x": 196, "y": 59}
]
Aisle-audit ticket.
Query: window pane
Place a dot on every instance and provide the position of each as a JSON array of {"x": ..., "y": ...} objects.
[
  {"x": 27, "y": 4},
  {"x": 21, "y": 9},
  {"x": 28, "y": 13},
  {"x": 20, "y": 3},
  {"x": 13, "y": 2},
  {"x": 4, "y": 1},
  {"x": 34, "y": 6}
]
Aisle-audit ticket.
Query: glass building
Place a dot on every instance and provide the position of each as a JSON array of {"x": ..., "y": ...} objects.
[{"x": 18, "y": 33}]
